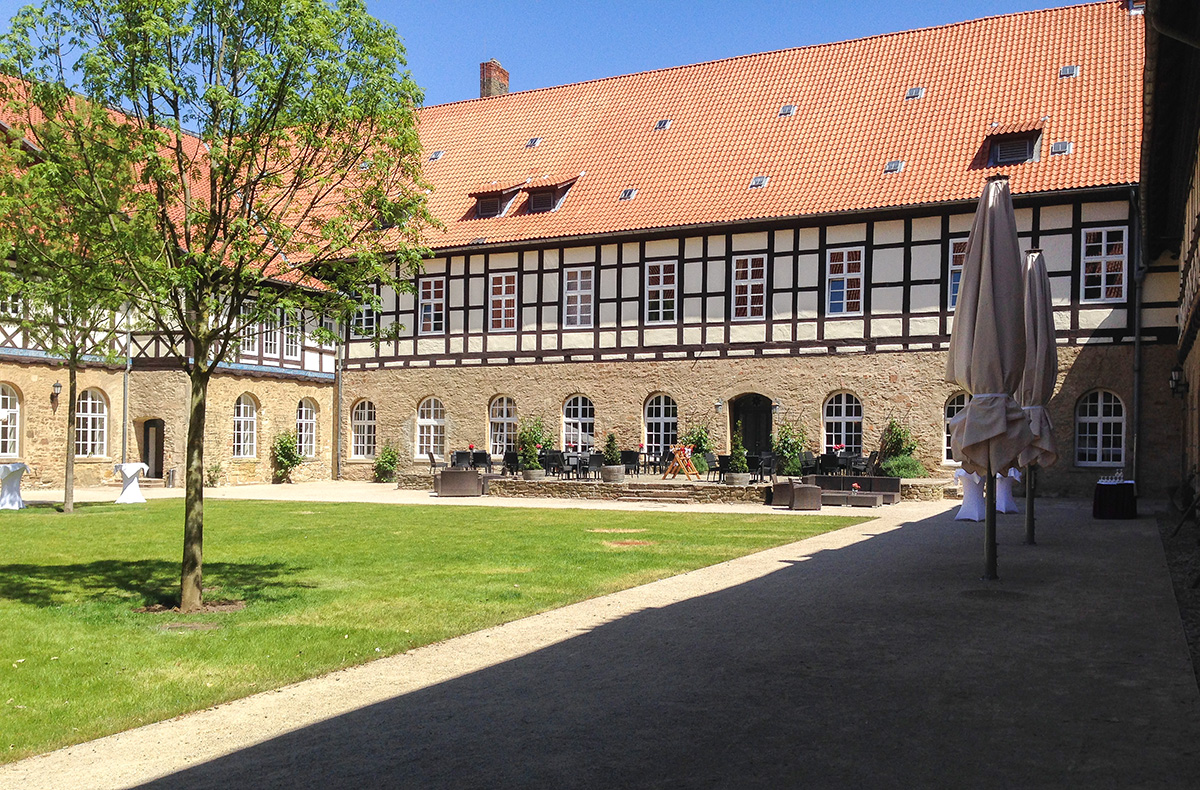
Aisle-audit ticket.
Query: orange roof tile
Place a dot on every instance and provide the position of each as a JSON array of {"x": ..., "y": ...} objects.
[{"x": 851, "y": 118}]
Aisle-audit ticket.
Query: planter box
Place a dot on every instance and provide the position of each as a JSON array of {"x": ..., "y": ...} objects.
[{"x": 737, "y": 478}]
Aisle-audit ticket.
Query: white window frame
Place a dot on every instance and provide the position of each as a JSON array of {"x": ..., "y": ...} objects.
[
  {"x": 10, "y": 422},
  {"x": 249, "y": 345},
  {"x": 662, "y": 292},
  {"x": 363, "y": 430},
  {"x": 270, "y": 336},
  {"x": 661, "y": 415},
  {"x": 293, "y": 348},
  {"x": 954, "y": 404},
  {"x": 431, "y": 429},
  {"x": 579, "y": 297},
  {"x": 837, "y": 270},
  {"x": 11, "y": 305},
  {"x": 502, "y": 425},
  {"x": 502, "y": 305},
  {"x": 330, "y": 325},
  {"x": 365, "y": 322},
  {"x": 245, "y": 427},
  {"x": 958, "y": 258},
  {"x": 749, "y": 283},
  {"x": 306, "y": 428},
  {"x": 91, "y": 424},
  {"x": 579, "y": 423},
  {"x": 431, "y": 318},
  {"x": 1094, "y": 429},
  {"x": 842, "y": 422},
  {"x": 1102, "y": 261}
]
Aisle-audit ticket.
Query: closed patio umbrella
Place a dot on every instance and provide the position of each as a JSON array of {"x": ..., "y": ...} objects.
[
  {"x": 1037, "y": 383},
  {"x": 987, "y": 351}
]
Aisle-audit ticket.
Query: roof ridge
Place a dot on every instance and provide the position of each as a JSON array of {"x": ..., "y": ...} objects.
[{"x": 664, "y": 69}]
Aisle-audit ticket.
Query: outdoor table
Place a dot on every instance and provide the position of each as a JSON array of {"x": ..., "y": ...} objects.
[
  {"x": 131, "y": 492},
  {"x": 1115, "y": 499},
  {"x": 1004, "y": 498},
  {"x": 10, "y": 486},
  {"x": 972, "y": 508}
]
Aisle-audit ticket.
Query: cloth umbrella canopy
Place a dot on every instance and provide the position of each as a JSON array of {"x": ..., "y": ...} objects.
[
  {"x": 987, "y": 344},
  {"x": 1041, "y": 363},
  {"x": 987, "y": 351}
]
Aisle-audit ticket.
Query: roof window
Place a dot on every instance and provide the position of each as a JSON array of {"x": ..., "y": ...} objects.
[
  {"x": 894, "y": 166},
  {"x": 364, "y": 164},
  {"x": 627, "y": 194},
  {"x": 787, "y": 110},
  {"x": 1013, "y": 149},
  {"x": 487, "y": 207},
  {"x": 662, "y": 125},
  {"x": 1062, "y": 148},
  {"x": 541, "y": 201},
  {"x": 534, "y": 142},
  {"x": 914, "y": 93},
  {"x": 436, "y": 155},
  {"x": 758, "y": 182},
  {"x": 1068, "y": 71}
]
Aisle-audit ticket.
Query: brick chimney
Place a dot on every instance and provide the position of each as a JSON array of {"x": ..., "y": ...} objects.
[{"x": 493, "y": 79}]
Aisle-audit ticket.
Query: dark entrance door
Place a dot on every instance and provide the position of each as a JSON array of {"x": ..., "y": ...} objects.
[
  {"x": 753, "y": 411},
  {"x": 152, "y": 447}
]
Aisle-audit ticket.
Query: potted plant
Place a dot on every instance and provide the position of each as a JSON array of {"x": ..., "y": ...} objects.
[
  {"x": 530, "y": 437},
  {"x": 739, "y": 470},
  {"x": 613, "y": 470}
]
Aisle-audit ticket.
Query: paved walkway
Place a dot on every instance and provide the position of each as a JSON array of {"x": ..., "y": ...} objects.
[{"x": 872, "y": 656}]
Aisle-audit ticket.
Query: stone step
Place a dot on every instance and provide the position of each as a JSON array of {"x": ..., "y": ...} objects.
[{"x": 683, "y": 500}]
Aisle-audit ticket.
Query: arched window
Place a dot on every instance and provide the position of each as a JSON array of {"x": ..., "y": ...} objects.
[
  {"x": 362, "y": 430},
  {"x": 245, "y": 427},
  {"x": 954, "y": 405},
  {"x": 91, "y": 424},
  {"x": 10, "y": 422},
  {"x": 502, "y": 421},
  {"x": 662, "y": 424},
  {"x": 579, "y": 424},
  {"x": 843, "y": 422},
  {"x": 1099, "y": 430},
  {"x": 306, "y": 428},
  {"x": 431, "y": 428}
]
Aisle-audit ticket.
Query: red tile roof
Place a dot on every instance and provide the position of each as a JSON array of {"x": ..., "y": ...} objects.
[{"x": 851, "y": 118}]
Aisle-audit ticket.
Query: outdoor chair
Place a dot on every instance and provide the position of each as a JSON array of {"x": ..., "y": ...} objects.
[
  {"x": 828, "y": 464},
  {"x": 462, "y": 459},
  {"x": 631, "y": 461},
  {"x": 512, "y": 462},
  {"x": 595, "y": 461},
  {"x": 552, "y": 462},
  {"x": 859, "y": 465},
  {"x": 808, "y": 464},
  {"x": 753, "y": 465},
  {"x": 767, "y": 466},
  {"x": 722, "y": 467},
  {"x": 713, "y": 471},
  {"x": 481, "y": 460},
  {"x": 664, "y": 462},
  {"x": 435, "y": 465}
]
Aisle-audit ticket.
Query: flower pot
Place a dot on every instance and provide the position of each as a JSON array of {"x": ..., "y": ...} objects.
[
  {"x": 613, "y": 474},
  {"x": 533, "y": 474},
  {"x": 737, "y": 478}
]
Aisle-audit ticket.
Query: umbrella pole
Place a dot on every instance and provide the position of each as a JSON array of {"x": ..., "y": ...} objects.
[
  {"x": 1030, "y": 497},
  {"x": 989, "y": 527}
]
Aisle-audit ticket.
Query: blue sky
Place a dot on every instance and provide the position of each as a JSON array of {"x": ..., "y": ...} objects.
[{"x": 552, "y": 43}]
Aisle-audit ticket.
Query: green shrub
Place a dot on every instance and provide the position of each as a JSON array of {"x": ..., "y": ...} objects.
[
  {"x": 903, "y": 466},
  {"x": 532, "y": 436},
  {"x": 700, "y": 463},
  {"x": 285, "y": 457},
  {"x": 896, "y": 441},
  {"x": 737, "y": 454},
  {"x": 386, "y": 464},
  {"x": 212, "y": 475},
  {"x": 699, "y": 438},
  {"x": 788, "y": 445},
  {"x": 792, "y": 467},
  {"x": 612, "y": 453}
]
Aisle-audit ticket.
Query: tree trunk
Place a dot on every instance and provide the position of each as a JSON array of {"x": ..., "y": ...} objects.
[
  {"x": 69, "y": 481},
  {"x": 191, "y": 595}
]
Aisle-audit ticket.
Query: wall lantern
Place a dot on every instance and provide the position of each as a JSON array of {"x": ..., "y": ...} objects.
[
  {"x": 717, "y": 406},
  {"x": 55, "y": 391},
  {"x": 775, "y": 407},
  {"x": 1178, "y": 383}
]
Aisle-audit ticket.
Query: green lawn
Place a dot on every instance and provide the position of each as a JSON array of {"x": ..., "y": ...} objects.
[{"x": 325, "y": 585}]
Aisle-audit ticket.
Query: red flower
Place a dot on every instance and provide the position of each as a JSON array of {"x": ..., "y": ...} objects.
[
  {"x": 538, "y": 446},
  {"x": 470, "y": 447},
  {"x": 855, "y": 486}
]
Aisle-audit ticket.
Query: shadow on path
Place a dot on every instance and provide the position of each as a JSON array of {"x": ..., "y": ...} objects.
[{"x": 881, "y": 664}]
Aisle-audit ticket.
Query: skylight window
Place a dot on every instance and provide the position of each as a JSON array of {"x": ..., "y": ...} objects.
[
  {"x": 436, "y": 155},
  {"x": 627, "y": 194},
  {"x": 364, "y": 164},
  {"x": 894, "y": 166},
  {"x": 1068, "y": 71},
  {"x": 534, "y": 142},
  {"x": 787, "y": 110},
  {"x": 663, "y": 125},
  {"x": 1062, "y": 148},
  {"x": 914, "y": 93},
  {"x": 758, "y": 182}
]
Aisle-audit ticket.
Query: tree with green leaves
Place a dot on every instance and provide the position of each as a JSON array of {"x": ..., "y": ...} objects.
[{"x": 276, "y": 150}]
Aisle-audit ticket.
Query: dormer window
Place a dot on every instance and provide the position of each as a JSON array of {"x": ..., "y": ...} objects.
[
  {"x": 1013, "y": 149},
  {"x": 663, "y": 125},
  {"x": 758, "y": 182},
  {"x": 540, "y": 201},
  {"x": 627, "y": 194},
  {"x": 1067, "y": 72},
  {"x": 487, "y": 207},
  {"x": 787, "y": 111},
  {"x": 894, "y": 166},
  {"x": 436, "y": 155},
  {"x": 534, "y": 142},
  {"x": 914, "y": 93}
]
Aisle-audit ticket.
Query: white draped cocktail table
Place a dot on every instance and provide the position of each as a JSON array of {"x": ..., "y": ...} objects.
[
  {"x": 131, "y": 493},
  {"x": 10, "y": 486}
]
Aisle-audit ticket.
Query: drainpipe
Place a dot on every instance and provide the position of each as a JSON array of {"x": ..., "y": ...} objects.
[
  {"x": 1139, "y": 274},
  {"x": 337, "y": 407},
  {"x": 125, "y": 398}
]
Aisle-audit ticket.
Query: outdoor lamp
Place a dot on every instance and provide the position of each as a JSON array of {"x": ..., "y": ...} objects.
[
  {"x": 775, "y": 406},
  {"x": 718, "y": 404},
  {"x": 1178, "y": 383},
  {"x": 55, "y": 391}
]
